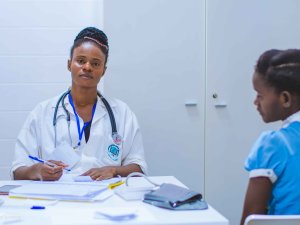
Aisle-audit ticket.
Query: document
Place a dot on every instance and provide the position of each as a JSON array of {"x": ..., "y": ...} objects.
[
  {"x": 87, "y": 179},
  {"x": 59, "y": 191},
  {"x": 65, "y": 153}
]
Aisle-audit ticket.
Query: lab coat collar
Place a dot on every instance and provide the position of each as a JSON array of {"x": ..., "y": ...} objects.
[
  {"x": 101, "y": 109},
  {"x": 292, "y": 118}
]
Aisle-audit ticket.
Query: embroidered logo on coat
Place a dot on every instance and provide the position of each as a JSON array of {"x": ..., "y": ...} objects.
[{"x": 113, "y": 152}]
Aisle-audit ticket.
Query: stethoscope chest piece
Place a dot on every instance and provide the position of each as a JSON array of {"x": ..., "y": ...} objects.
[{"x": 117, "y": 138}]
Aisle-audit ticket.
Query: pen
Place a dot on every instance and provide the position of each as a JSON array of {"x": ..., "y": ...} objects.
[
  {"x": 45, "y": 162},
  {"x": 37, "y": 207}
]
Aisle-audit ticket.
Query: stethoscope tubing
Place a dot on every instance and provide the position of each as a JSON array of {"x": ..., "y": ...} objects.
[
  {"x": 110, "y": 114},
  {"x": 62, "y": 101},
  {"x": 56, "y": 106}
]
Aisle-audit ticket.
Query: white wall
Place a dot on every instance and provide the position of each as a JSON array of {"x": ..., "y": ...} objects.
[{"x": 36, "y": 36}]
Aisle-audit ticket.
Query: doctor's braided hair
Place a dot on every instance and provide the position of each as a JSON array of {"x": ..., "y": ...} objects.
[
  {"x": 280, "y": 69},
  {"x": 92, "y": 34}
]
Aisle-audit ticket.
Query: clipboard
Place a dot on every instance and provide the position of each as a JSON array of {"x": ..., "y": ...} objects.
[{"x": 4, "y": 190}]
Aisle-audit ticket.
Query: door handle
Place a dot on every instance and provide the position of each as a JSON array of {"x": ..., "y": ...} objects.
[
  {"x": 221, "y": 105},
  {"x": 218, "y": 104},
  {"x": 190, "y": 103}
]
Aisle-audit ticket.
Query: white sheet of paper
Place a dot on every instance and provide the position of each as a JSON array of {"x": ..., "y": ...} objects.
[
  {"x": 65, "y": 153},
  {"x": 59, "y": 191},
  {"x": 83, "y": 179},
  {"x": 69, "y": 178},
  {"x": 10, "y": 218},
  {"x": 104, "y": 195}
]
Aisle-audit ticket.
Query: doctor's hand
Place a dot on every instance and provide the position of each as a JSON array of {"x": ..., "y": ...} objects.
[
  {"x": 102, "y": 173},
  {"x": 51, "y": 172}
]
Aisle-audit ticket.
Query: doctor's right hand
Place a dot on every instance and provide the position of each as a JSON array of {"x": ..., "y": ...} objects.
[{"x": 52, "y": 172}]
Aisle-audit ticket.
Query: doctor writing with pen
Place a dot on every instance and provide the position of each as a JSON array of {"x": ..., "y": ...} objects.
[{"x": 80, "y": 131}]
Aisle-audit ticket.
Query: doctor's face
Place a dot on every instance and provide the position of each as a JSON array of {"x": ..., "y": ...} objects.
[
  {"x": 267, "y": 100},
  {"x": 87, "y": 65}
]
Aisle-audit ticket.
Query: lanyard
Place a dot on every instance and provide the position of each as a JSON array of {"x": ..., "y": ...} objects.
[{"x": 80, "y": 131}]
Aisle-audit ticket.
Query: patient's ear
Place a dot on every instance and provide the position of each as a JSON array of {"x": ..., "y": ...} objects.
[
  {"x": 69, "y": 65},
  {"x": 286, "y": 99}
]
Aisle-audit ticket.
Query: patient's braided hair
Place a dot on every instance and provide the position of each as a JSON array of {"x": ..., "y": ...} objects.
[
  {"x": 280, "y": 69},
  {"x": 94, "y": 35}
]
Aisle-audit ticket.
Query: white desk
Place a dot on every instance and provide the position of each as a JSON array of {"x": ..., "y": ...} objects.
[{"x": 75, "y": 213}]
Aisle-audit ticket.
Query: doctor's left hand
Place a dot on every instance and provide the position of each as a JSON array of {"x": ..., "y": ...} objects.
[{"x": 102, "y": 173}]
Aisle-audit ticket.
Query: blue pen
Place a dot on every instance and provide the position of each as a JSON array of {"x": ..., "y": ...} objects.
[
  {"x": 45, "y": 162},
  {"x": 37, "y": 207}
]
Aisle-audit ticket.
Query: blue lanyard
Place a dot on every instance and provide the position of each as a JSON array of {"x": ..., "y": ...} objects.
[{"x": 80, "y": 131}]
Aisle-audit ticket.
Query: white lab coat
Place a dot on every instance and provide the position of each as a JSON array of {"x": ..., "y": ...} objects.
[{"x": 37, "y": 137}]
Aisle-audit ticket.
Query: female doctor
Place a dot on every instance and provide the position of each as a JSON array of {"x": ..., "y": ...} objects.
[{"x": 80, "y": 132}]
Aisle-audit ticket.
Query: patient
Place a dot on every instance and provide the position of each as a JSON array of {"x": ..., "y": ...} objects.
[{"x": 274, "y": 161}]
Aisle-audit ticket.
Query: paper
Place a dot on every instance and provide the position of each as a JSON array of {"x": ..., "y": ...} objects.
[
  {"x": 65, "y": 153},
  {"x": 10, "y": 218},
  {"x": 75, "y": 178},
  {"x": 27, "y": 203},
  {"x": 31, "y": 202},
  {"x": 103, "y": 195},
  {"x": 87, "y": 216},
  {"x": 83, "y": 179},
  {"x": 111, "y": 180},
  {"x": 58, "y": 191},
  {"x": 117, "y": 218},
  {"x": 132, "y": 193}
]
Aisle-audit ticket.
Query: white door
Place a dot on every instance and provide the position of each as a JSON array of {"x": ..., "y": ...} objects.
[
  {"x": 157, "y": 66},
  {"x": 237, "y": 33}
]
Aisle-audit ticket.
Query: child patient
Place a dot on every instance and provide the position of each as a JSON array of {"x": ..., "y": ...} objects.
[{"x": 274, "y": 161}]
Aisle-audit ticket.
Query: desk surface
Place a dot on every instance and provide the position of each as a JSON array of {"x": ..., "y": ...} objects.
[{"x": 82, "y": 213}]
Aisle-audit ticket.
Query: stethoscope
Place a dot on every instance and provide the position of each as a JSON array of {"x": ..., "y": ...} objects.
[{"x": 117, "y": 139}]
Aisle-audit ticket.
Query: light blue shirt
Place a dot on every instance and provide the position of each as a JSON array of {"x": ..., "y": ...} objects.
[{"x": 278, "y": 153}]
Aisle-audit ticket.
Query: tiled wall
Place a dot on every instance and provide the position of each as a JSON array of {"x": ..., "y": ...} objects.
[{"x": 35, "y": 39}]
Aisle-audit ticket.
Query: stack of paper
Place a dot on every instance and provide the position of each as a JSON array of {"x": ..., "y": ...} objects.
[
  {"x": 59, "y": 191},
  {"x": 75, "y": 178}
]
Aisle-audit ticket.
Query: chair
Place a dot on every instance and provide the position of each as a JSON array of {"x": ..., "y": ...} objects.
[{"x": 272, "y": 220}]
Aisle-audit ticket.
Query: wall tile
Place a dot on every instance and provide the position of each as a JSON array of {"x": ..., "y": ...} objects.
[
  {"x": 36, "y": 41},
  {"x": 54, "y": 13},
  {"x": 22, "y": 97},
  {"x": 4, "y": 173},
  {"x": 12, "y": 122},
  {"x": 34, "y": 69},
  {"x": 7, "y": 152}
]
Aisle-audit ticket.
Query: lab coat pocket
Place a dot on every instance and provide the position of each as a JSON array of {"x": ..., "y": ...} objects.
[
  {"x": 102, "y": 147},
  {"x": 113, "y": 153}
]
